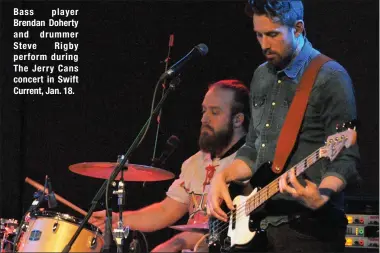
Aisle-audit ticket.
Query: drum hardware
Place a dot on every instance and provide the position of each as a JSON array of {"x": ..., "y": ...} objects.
[
  {"x": 35, "y": 235},
  {"x": 120, "y": 233},
  {"x": 7, "y": 223},
  {"x": 6, "y": 245},
  {"x": 7, "y": 231},
  {"x": 55, "y": 226},
  {"x": 93, "y": 242}
]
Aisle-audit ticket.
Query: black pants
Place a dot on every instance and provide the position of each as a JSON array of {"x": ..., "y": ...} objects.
[{"x": 307, "y": 235}]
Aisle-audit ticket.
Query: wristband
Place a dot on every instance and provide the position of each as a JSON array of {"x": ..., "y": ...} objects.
[{"x": 326, "y": 192}]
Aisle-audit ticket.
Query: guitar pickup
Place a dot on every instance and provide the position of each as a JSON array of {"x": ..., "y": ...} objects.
[{"x": 233, "y": 218}]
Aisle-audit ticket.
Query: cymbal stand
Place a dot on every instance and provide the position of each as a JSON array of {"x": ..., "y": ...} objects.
[{"x": 120, "y": 233}]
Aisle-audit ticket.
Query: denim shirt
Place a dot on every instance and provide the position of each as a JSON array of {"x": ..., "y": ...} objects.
[{"x": 331, "y": 102}]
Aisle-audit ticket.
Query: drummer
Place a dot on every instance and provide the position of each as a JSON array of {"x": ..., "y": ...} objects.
[{"x": 225, "y": 120}]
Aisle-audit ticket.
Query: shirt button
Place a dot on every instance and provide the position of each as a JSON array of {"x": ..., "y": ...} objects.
[
  {"x": 267, "y": 125},
  {"x": 273, "y": 103},
  {"x": 263, "y": 145},
  {"x": 279, "y": 81}
]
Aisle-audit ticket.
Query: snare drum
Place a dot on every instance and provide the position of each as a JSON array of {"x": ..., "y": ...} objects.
[{"x": 50, "y": 232}]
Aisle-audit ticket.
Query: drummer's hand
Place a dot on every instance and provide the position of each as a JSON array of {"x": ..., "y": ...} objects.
[
  {"x": 98, "y": 219},
  {"x": 218, "y": 193}
]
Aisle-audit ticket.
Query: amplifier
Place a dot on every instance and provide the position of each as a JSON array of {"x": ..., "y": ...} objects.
[
  {"x": 362, "y": 242},
  {"x": 362, "y": 230},
  {"x": 363, "y": 219}
]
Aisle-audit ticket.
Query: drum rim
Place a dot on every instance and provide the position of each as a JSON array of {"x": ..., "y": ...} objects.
[{"x": 65, "y": 217}]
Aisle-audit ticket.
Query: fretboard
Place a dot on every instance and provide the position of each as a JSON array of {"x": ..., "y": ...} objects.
[{"x": 272, "y": 188}]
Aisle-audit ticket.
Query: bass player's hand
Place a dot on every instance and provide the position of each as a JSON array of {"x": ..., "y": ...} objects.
[
  {"x": 309, "y": 194},
  {"x": 218, "y": 192}
]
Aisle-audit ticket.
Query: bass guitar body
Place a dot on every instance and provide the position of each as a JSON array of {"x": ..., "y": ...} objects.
[{"x": 242, "y": 233}]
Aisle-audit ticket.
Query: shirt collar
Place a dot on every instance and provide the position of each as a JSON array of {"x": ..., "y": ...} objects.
[
  {"x": 233, "y": 149},
  {"x": 299, "y": 61}
]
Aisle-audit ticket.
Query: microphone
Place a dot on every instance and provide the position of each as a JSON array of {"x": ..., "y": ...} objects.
[
  {"x": 199, "y": 50},
  {"x": 42, "y": 197},
  {"x": 171, "y": 144},
  {"x": 52, "y": 202}
]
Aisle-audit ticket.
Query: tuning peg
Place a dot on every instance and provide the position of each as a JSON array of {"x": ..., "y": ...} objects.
[{"x": 353, "y": 124}]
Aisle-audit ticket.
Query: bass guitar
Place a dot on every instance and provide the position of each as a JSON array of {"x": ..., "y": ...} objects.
[{"x": 244, "y": 222}]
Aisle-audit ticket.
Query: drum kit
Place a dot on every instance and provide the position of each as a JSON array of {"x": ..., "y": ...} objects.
[{"x": 48, "y": 231}]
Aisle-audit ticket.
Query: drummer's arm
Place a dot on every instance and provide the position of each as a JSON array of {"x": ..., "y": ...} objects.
[{"x": 156, "y": 216}]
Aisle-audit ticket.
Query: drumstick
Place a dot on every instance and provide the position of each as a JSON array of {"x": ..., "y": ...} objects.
[{"x": 59, "y": 198}]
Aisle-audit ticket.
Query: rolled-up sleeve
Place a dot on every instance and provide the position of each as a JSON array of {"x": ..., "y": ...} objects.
[
  {"x": 177, "y": 191},
  {"x": 338, "y": 107}
]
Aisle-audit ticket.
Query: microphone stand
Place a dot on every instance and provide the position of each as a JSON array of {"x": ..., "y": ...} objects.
[
  {"x": 171, "y": 44},
  {"x": 120, "y": 166}
]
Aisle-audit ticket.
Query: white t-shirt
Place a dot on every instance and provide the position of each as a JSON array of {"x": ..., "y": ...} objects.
[{"x": 192, "y": 185}]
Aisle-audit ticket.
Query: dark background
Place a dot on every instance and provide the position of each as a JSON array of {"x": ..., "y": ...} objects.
[{"x": 123, "y": 46}]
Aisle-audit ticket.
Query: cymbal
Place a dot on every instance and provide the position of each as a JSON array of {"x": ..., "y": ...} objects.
[
  {"x": 8, "y": 222},
  {"x": 135, "y": 172},
  {"x": 200, "y": 227}
]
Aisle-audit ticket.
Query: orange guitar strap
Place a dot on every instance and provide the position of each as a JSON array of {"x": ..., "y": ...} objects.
[{"x": 293, "y": 120}]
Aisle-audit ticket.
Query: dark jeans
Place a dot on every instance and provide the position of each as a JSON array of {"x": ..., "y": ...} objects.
[{"x": 308, "y": 235}]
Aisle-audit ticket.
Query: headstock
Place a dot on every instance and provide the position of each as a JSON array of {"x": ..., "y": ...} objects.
[{"x": 336, "y": 142}]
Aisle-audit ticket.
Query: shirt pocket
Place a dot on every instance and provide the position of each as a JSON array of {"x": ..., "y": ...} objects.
[{"x": 258, "y": 103}]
